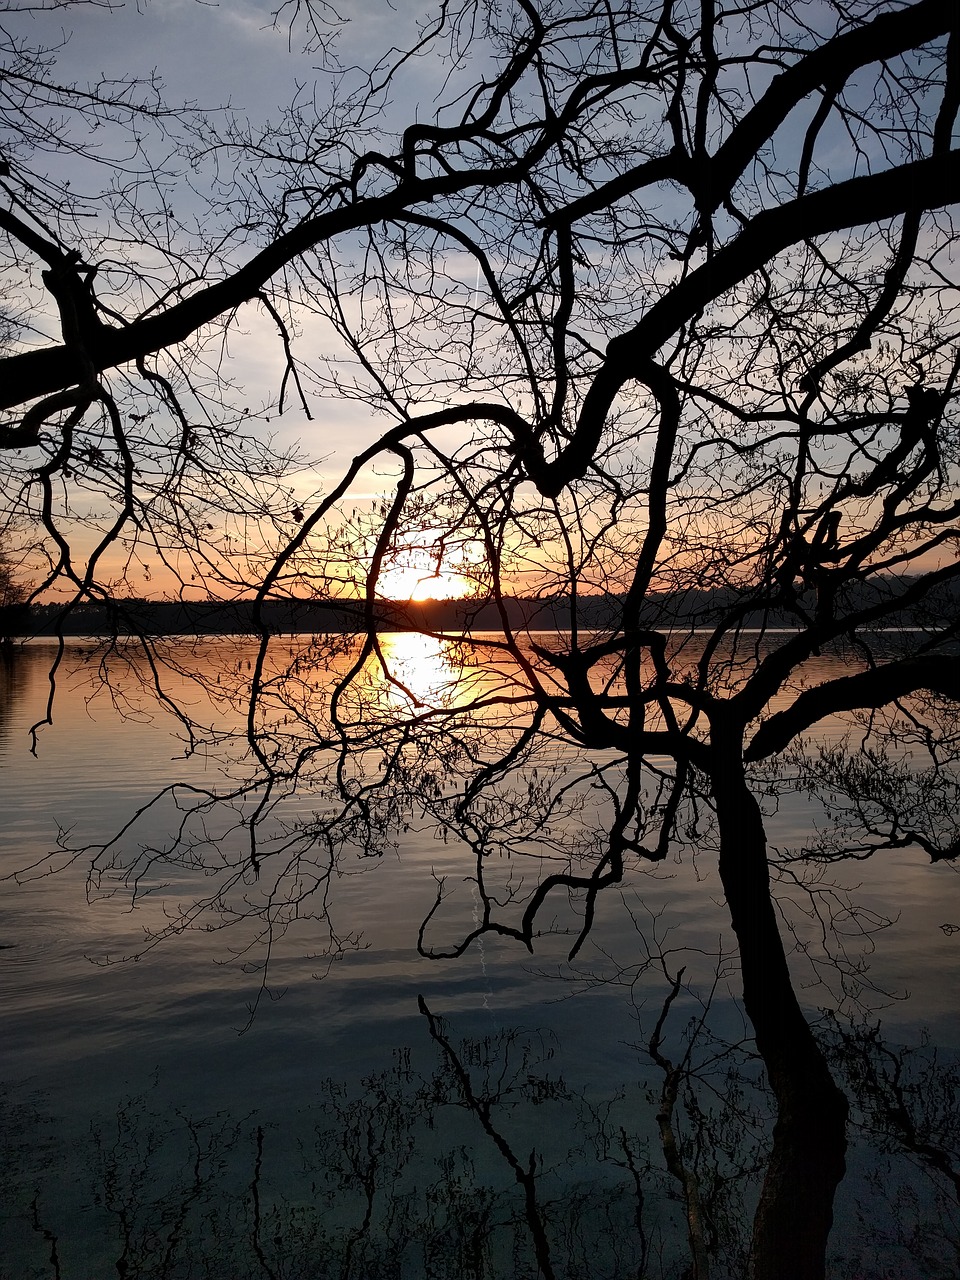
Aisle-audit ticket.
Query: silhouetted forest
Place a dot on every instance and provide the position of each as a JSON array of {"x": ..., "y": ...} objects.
[{"x": 553, "y": 613}]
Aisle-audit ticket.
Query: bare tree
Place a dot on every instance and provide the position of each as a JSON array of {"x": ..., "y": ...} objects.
[{"x": 657, "y": 308}]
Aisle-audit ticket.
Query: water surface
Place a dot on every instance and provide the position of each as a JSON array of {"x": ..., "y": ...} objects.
[{"x": 131, "y": 1081}]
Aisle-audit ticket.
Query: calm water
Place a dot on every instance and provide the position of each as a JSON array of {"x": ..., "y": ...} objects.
[{"x": 147, "y": 1136}]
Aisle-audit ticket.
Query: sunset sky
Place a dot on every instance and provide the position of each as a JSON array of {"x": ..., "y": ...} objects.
[{"x": 229, "y": 54}]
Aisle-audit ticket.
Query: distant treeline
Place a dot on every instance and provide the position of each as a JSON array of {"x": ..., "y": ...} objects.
[{"x": 590, "y": 612}]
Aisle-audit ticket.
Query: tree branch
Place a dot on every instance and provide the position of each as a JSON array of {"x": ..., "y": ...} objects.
[{"x": 939, "y": 673}]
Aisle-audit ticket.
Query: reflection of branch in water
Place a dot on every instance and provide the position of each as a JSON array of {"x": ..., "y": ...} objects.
[
  {"x": 255, "y": 1201},
  {"x": 398, "y": 1172},
  {"x": 672, "y": 1079},
  {"x": 393, "y": 1182},
  {"x": 48, "y": 1236},
  {"x": 906, "y": 1104},
  {"x": 14, "y": 673},
  {"x": 711, "y": 1152},
  {"x": 909, "y": 1099},
  {"x": 395, "y": 1178},
  {"x": 153, "y": 1208},
  {"x": 525, "y": 1175}
]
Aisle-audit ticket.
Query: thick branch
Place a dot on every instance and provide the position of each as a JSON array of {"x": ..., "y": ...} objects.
[
  {"x": 832, "y": 63},
  {"x": 31, "y": 374},
  {"x": 938, "y": 672},
  {"x": 925, "y": 184}
]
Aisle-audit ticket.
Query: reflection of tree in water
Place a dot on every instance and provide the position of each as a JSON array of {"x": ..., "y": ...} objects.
[
  {"x": 12, "y": 685},
  {"x": 489, "y": 1165},
  {"x": 907, "y": 1110}
]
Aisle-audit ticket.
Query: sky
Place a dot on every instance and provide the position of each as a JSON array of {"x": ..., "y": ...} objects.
[
  {"x": 232, "y": 53},
  {"x": 215, "y": 54}
]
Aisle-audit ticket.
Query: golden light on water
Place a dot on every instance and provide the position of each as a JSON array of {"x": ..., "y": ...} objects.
[{"x": 419, "y": 664}]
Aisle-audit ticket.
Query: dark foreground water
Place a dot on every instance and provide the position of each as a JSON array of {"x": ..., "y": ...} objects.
[{"x": 390, "y": 1116}]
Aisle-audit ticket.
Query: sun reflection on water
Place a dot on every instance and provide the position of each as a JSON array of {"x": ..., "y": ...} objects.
[{"x": 422, "y": 668}]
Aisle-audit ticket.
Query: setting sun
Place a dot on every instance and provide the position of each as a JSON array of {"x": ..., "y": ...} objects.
[{"x": 415, "y": 571}]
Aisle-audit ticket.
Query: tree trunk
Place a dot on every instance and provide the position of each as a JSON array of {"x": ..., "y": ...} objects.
[{"x": 806, "y": 1165}]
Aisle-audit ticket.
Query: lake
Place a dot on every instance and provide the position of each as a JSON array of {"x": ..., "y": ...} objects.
[{"x": 383, "y": 1114}]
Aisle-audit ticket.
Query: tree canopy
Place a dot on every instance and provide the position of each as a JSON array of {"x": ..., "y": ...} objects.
[{"x": 651, "y": 311}]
